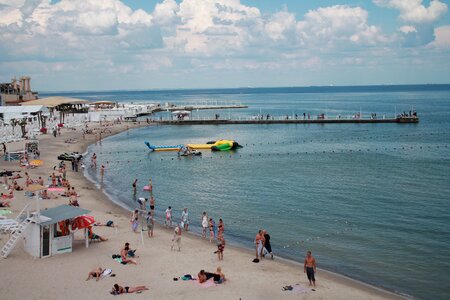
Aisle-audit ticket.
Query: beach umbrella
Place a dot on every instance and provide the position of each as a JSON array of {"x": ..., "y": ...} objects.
[
  {"x": 82, "y": 222},
  {"x": 36, "y": 162}
]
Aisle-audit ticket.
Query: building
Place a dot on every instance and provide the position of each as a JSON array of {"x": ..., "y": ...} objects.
[{"x": 17, "y": 91}]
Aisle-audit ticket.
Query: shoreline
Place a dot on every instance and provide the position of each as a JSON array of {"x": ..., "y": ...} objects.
[
  {"x": 248, "y": 282},
  {"x": 239, "y": 247}
]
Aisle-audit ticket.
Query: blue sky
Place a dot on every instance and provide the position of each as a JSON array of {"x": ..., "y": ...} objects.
[{"x": 149, "y": 44}]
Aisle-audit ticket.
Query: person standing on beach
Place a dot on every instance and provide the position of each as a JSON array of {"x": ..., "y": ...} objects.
[
  {"x": 204, "y": 224},
  {"x": 185, "y": 219},
  {"x": 134, "y": 220},
  {"x": 94, "y": 161},
  {"x": 102, "y": 172},
  {"x": 152, "y": 204},
  {"x": 267, "y": 247},
  {"x": 4, "y": 148},
  {"x": 221, "y": 228},
  {"x": 220, "y": 246},
  {"x": 150, "y": 224},
  {"x": 212, "y": 229},
  {"x": 310, "y": 268},
  {"x": 259, "y": 240},
  {"x": 176, "y": 238},
  {"x": 135, "y": 187},
  {"x": 168, "y": 221}
]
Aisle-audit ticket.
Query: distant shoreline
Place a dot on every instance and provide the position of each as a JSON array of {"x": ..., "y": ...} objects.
[{"x": 286, "y": 89}]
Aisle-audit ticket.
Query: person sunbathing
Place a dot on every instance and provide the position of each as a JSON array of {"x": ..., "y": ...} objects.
[
  {"x": 17, "y": 176},
  {"x": 5, "y": 204},
  {"x": 117, "y": 289},
  {"x": 124, "y": 254},
  {"x": 73, "y": 201},
  {"x": 96, "y": 273},
  {"x": 94, "y": 236},
  {"x": 40, "y": 181},
  {"x": 44, "y": 195},
  {"x": 16, "y": 186},
  {"x": 219, "y": 277},
  {"x": 107, "y": 224}
]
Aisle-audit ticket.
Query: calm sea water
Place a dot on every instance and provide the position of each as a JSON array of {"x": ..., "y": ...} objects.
[{"x": 370, "y": 200}]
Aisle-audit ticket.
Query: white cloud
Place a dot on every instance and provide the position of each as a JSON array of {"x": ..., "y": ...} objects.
[
  {"x": 414, "y": 10},
  {"x": 407, "y": 29},
  {"x": 338, "y": 25},
  {"x": 442, "y": 40}
]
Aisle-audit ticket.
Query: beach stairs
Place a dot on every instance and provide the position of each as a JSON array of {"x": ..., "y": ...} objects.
[{"x": 17, "y": 233}]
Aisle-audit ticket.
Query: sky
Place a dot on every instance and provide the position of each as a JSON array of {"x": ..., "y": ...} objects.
[{"x": 167, "y": 44}]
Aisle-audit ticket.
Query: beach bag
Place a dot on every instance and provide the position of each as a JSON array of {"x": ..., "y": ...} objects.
[
  {"x": 187, "y": 277},
  {"x": 109, "y": 223}
]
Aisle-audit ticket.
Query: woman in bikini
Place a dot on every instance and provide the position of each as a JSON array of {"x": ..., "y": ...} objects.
[
  {"x": 117, "y": 289},
  {"x": 96, "y": 273}
]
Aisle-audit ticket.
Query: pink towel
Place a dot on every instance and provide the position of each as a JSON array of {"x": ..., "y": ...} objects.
[
  {"x": 208, "y": 283},
  {"x": 55, "y": 189}
]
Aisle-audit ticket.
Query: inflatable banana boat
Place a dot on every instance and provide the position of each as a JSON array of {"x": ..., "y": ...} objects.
[{"x": 220, "y": 145}]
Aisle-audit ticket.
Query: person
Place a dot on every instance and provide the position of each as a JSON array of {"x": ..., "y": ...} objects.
[
  {"x": 117, "y": 289},
  {"x": 107, "y": 224},
  {"x": 134, "y": 185},
  {"x": 96, "y": 273},
  {"x": 259, "y": 244},
  {"x": 102, "y": 171},
  {"x": 44, "y": 195},
  {"x": 221, "y": 276},
  {"x": 204, "y": 276},
  {"x": 5, "y": 203},
  {"x": 94, "y": 236},
  {"x": 152, "y": 204},
  {"x": 221, "y": 227},
  {"x": 16, "y": 186},
  {"x": 73, "y": 201},
  {"x": 4, "y": 148},
  {"x": 267, "y": 247},
  {"x": 185, "y": 219},
  {"x": 176, "y": 238},
  {"x": 310, "y": 268},
  {"x": 94, "y": 161},
  {"x": 212, "y": 229},
  {"x": 134, "y": 220},
  {"x": 124, "y": 256},
  {"x": 168, "y": 221},
  {"x": 204, "y": 224},
  {"x": 220, "y": 247},
  {"x": 130, "y": 253},
  {"x": 40, "y": 181},
  {"x": 142, "y": 201},
  {"x": 150, "y": 224}
]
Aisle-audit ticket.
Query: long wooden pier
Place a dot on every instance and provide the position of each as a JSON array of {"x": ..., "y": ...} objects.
[{"x": 400, "y": 120}]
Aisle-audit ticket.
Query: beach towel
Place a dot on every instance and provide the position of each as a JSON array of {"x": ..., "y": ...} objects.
[
  {"x": 208, "y": 283},
  {"x": 5, "y": 212},
  {"x": 53, "y": 189},
  {"x": 106, "y": 273}
]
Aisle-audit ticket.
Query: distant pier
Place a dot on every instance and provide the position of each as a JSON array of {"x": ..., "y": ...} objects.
[{"x": 400, "y": 120}]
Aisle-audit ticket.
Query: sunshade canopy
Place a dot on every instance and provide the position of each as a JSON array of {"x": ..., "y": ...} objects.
[
  {"x": 62, "y": 212},
  {"x": 55, "y": 101}
]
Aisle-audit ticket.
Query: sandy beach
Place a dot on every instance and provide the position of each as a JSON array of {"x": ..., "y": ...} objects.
[{"x": 63, "y": 276}]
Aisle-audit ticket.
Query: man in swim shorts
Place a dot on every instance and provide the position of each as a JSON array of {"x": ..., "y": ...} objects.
[{"x": 310, "y": 268}]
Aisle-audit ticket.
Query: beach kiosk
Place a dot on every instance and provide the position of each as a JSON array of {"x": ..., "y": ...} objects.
[{"x": 51, "y": 235}]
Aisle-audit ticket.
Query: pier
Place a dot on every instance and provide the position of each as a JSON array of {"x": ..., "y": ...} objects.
[{"x": 399, "y": 120}]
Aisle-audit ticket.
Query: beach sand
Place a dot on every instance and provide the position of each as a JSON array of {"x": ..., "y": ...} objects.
[{"x": 63, "y": 276}]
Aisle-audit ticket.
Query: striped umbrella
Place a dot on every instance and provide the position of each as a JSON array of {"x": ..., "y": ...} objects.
[{"x": 82, "y": 222}]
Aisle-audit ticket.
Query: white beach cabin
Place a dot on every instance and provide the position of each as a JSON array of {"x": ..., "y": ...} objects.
[{"x": 51, "y": 235}]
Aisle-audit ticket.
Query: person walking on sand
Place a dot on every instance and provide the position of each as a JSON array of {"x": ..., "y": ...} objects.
[
  {"x": 150, "y": 224},
  {"x": 310, "y": 268},
  {"x": 185, "y": 219},
  {"x": 220, "y": 247},
  {"x": 176, "y": 238},
  {"x": 168, "y": 221},
  {"x": 204, "y": 224}
]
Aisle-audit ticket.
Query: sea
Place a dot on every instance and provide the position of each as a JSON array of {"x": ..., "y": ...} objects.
[{"x": 371, "y": 201}]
